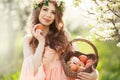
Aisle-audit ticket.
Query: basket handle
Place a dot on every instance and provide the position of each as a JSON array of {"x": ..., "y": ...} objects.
[{"x": 83, "y": 40}]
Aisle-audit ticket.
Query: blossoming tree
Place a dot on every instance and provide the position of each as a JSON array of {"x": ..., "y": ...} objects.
[{"x": 107, "y": 16}]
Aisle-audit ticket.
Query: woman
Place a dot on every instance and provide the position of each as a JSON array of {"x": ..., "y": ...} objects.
[{"x": 42, "y": 48}]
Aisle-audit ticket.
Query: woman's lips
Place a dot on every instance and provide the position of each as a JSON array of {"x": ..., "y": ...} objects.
[{"x": 47, "y": 20}]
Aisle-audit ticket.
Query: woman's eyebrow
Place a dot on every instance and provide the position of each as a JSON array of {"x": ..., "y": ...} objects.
[
  {"x": 48, "y": 8},
  {"x": 45, "y": 7}
]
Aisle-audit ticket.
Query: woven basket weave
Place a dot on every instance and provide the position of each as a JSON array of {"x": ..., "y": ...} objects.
[{"x": 67, "y": 55}]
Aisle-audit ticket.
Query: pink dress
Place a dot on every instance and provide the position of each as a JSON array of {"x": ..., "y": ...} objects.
[{"x": 50, "y": 69}]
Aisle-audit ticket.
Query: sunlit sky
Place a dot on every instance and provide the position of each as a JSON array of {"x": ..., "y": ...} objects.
[{"x": 78, "y": 16}]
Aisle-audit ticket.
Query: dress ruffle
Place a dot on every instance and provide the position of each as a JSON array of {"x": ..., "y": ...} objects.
[
  {"x": 27, "y": 72},
  {"x": 50, "y": 69}
]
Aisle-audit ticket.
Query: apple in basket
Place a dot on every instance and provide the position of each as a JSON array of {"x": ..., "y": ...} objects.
[
  {"x": 80, "y": 64},
  {"x": 72, "y": 63},
  {"x": 89, "y": 62},
  {"x": 73, "y": 67},
  {"x": 83, "y": 58},
  {"x": 75, "y": 64}
]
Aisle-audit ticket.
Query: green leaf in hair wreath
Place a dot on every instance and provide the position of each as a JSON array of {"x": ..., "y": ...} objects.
[
  {"x": 46, "y": 3},
  {"x": 36, "y": 5}
]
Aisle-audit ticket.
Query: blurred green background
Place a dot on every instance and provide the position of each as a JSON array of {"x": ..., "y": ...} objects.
[{"x": 13, "y": 17}]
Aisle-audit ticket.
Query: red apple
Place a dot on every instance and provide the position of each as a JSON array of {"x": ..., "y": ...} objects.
[
  {"x": 89, "y": 62},
  {"x": 83, "y": 58},
  {"x": 39, "y": 26},
  {"x": 73, "y": 67},
  {"x": 80, "y": 64}
]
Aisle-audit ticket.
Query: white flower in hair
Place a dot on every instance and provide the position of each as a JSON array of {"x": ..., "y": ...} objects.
[
  {"x": 58, "y": 3},
  {"x": 54, "y": 0},
  {"x": 39, "y": 1}
]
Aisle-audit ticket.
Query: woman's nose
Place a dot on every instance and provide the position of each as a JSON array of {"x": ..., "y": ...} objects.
[{"x": 48, "y": 14}]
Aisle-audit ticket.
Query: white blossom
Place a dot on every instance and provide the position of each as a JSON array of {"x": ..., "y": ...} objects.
[
  {"x": 118, "y": 44},
  {"x": 39, "y": 1},
  {"x": 118, "y": 25},
  {"x": 58, "y": 3},
  {"x": 93, "y": 30}
]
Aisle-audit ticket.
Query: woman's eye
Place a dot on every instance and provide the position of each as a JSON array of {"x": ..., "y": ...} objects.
[
  {"x": 54, "y": 13},
  {"x": 45, "y": 9}
]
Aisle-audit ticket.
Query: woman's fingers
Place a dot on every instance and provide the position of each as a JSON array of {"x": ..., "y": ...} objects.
[
  {"x": 88, "y": 76},
  {"x": 37, "y": 33},
  {"x": 93, "y": 69},
  {"x": 34, "y": 29},
  {"x": 84, "y": 76}
]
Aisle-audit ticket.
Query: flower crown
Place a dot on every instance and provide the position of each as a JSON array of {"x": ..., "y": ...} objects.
[{"x": 60, "y": 4}]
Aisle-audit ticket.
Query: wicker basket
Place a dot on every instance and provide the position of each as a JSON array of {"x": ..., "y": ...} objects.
[{"x": 66, "y": 56}]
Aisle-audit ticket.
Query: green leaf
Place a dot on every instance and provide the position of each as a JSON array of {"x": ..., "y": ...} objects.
[{"x": 46, "y": 3}]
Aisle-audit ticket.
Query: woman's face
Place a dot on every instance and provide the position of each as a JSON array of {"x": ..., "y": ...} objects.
[{"x": 47, "y": 14}]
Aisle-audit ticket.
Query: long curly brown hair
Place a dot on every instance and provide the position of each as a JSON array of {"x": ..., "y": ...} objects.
[{"x": 56, "y": 37}]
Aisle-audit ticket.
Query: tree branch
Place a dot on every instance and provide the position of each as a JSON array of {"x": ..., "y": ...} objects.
[
  {"x": 113, "y": 11},
  {"x": 117, "y": 31}
]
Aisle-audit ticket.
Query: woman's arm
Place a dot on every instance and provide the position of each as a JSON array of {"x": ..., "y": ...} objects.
[
  {"x": 27, "y": 50},
  {"x": 30, "y": 65},
  {"x": 37, "y": 57}
]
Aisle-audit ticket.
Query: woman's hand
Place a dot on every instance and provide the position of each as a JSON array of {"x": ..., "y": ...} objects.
[
  {"x": 88, "y": 76},
  {"x": 37, "y": 33}
]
